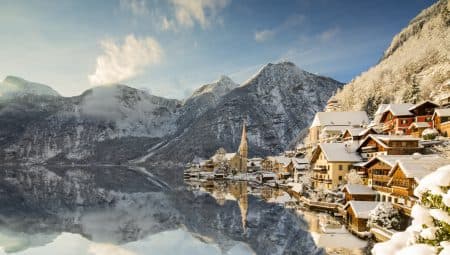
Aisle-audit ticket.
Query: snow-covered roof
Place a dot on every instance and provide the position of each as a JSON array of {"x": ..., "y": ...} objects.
[
  {"x": 280, "y": 159},
  {"x": 399, "y": 109},
  {"x": 443, "y": 112},
  {"x": 339, "y": 152},
  {"x": 362, "y": 208},
  {"x": 300, "y": 160},
  {"x": 419, "y": 125},
  {"x": 340, "y": 119},
  {"x": 339, "y": 129},
  {"x": 359, "y": 189},
  {"x": 422, "y": 103},
  {"x": 229, "y": 156},
  {"x": 381, "y": 109},
  {"x": 418, "y": 166},
  {"x": 383, "y": 139},
  {"x": 295, "y": 186},
  {"x": 387, "y": 159}
]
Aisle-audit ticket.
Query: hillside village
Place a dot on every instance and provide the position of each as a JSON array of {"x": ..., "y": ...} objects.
[{"x": 361, "y": 170}]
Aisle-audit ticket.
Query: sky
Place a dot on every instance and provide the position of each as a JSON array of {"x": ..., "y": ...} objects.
[{"x": 172, "y": 47}]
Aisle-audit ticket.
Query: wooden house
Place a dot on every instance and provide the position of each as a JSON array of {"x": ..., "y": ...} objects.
[
  {"x": 396, "y": 118},
  {"x": 378, "y": 169},
  {"x": 357, "y": 214},
  {"x": 358, "y": 192},
  {"x": 441, "y": 121},
  {"x": 281, "y": 165},
  {"x": 330, "y": 163},
  {"x": 405, "y": 176},
  {"x": 375, "y": 145}
]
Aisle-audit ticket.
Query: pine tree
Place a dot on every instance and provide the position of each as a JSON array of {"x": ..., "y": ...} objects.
[{"x": 411, "y": 94}]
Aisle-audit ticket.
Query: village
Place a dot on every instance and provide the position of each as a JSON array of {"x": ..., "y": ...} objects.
[{"x": 358, "y": 170}]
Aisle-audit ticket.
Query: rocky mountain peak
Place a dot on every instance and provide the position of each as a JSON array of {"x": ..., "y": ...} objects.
[{"x": 218, "y": 88}]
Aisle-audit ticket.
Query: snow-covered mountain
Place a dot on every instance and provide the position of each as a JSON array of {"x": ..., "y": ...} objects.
[
  {"x": 277, "y": 103},
  {"x": 116, "y": 124},
  {"x": 14, "y": 87},
  {"x": 415, "y": 66}
]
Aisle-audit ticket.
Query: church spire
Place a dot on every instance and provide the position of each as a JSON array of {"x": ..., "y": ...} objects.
[{"x": 243, "y": 147}]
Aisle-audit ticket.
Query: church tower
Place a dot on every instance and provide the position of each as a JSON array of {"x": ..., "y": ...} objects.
[
  {"x": 243, "y": 147},
  {"x": 243, "y": 150}
]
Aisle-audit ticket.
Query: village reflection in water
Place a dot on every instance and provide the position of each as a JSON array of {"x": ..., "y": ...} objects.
[{"x": 328, "y": 231}]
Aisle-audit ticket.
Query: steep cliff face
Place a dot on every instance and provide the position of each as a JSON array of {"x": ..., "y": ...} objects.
[
  {"x": 277, "y": 103},
  {"x": 416, "y": 66}
]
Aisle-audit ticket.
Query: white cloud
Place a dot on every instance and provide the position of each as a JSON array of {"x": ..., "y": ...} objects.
[
  {"x": 121, "y": 62},
  {"x": 289, "y": 22},
  {"x": 137, "y": 7},
  {"x": 329, "y": 34},
  {"x": 264, "y": 35},
  {"x": 187, "y": 13}
]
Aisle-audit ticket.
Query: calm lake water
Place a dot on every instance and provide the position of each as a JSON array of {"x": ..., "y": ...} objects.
[{"x": 133, "y": 210}]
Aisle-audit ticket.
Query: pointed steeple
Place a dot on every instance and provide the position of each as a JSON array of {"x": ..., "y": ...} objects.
[{"x": 243, "y": 147}]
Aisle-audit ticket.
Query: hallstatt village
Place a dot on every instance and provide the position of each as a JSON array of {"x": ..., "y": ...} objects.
[{"x": 361, "y": 171}]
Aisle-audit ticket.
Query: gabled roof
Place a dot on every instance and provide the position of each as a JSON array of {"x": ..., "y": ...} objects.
[
  {"x": 399, "y": 109},
  {"x": 359, "y": 131},
  {"x": 387, "y": 159},
  {"x": 383, "y": 139},
  {"x": 359, "y": 189},
  {"x": 443, "y": 112},
  {"x": 418, "y": 166},
  {"x": 285, "y": 161},
  {"x": 338, "y": 152},
  {"x": 355, "y": 118},
  {"x": 362, "y": 208},
  {"x": 421, "y": 104}
]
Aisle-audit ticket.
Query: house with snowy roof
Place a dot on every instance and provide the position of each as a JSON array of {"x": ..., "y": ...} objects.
[
  {"x": 357, "y": 133},
  {"x": 374, "y": 145},
  {"x": 441, "y": 121},
  {"x": 281, "y": 165},
  {"x": 358, "y": 192},
  {"x": 399, "y": 118},
  {"x": 357, "y": 214},
  {"x": 406, "y": 174},
  {"x": 328, "y": 126},
  {"x": 330, "y": 162}
]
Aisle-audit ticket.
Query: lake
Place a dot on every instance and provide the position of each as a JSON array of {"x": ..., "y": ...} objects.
[{"x": 135, "y": 210}]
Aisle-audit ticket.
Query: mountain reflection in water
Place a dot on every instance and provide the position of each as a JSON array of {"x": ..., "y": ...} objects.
[{"x": 121, "y": 210}]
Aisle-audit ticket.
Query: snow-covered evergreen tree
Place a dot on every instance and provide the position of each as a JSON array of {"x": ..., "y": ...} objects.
[
  {"x": 429, "y": 233},
  {"x": 385, "y": 215}
]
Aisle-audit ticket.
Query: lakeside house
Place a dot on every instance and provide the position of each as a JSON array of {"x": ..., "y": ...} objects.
[
  {"x": 357, "y": 215},
  {"x": 330, "y": 162}
]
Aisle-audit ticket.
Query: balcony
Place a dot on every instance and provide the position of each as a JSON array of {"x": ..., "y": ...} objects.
[
  {"x": 322, "y": 169},
  {"x": 402, "y": 191},
  {"x": 382, "y": 188},
  {"x": 381, "y": 178}
]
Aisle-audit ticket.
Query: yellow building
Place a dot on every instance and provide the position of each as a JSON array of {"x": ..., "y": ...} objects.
[{"x": 330, "y": 163}]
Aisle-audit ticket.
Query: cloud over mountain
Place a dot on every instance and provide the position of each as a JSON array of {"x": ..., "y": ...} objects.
[{"x": 121, "y": 62}]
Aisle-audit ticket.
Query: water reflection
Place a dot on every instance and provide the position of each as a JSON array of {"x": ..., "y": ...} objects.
[{"x": 135, "y": 211}]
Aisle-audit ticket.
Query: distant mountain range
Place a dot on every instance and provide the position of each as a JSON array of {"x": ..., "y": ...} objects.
[
  {"x": 416, "y": 66},
  {"x": 119, "y": 124}
]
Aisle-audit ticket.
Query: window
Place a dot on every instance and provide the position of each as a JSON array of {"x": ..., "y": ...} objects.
[
  {"x": 349, "y": 167},
  {"x": 340, "y": 177},
  {"x": 340, "y": 167}
]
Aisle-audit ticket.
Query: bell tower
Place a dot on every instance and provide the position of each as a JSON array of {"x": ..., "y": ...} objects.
[{"x": 243, "y": 147}]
